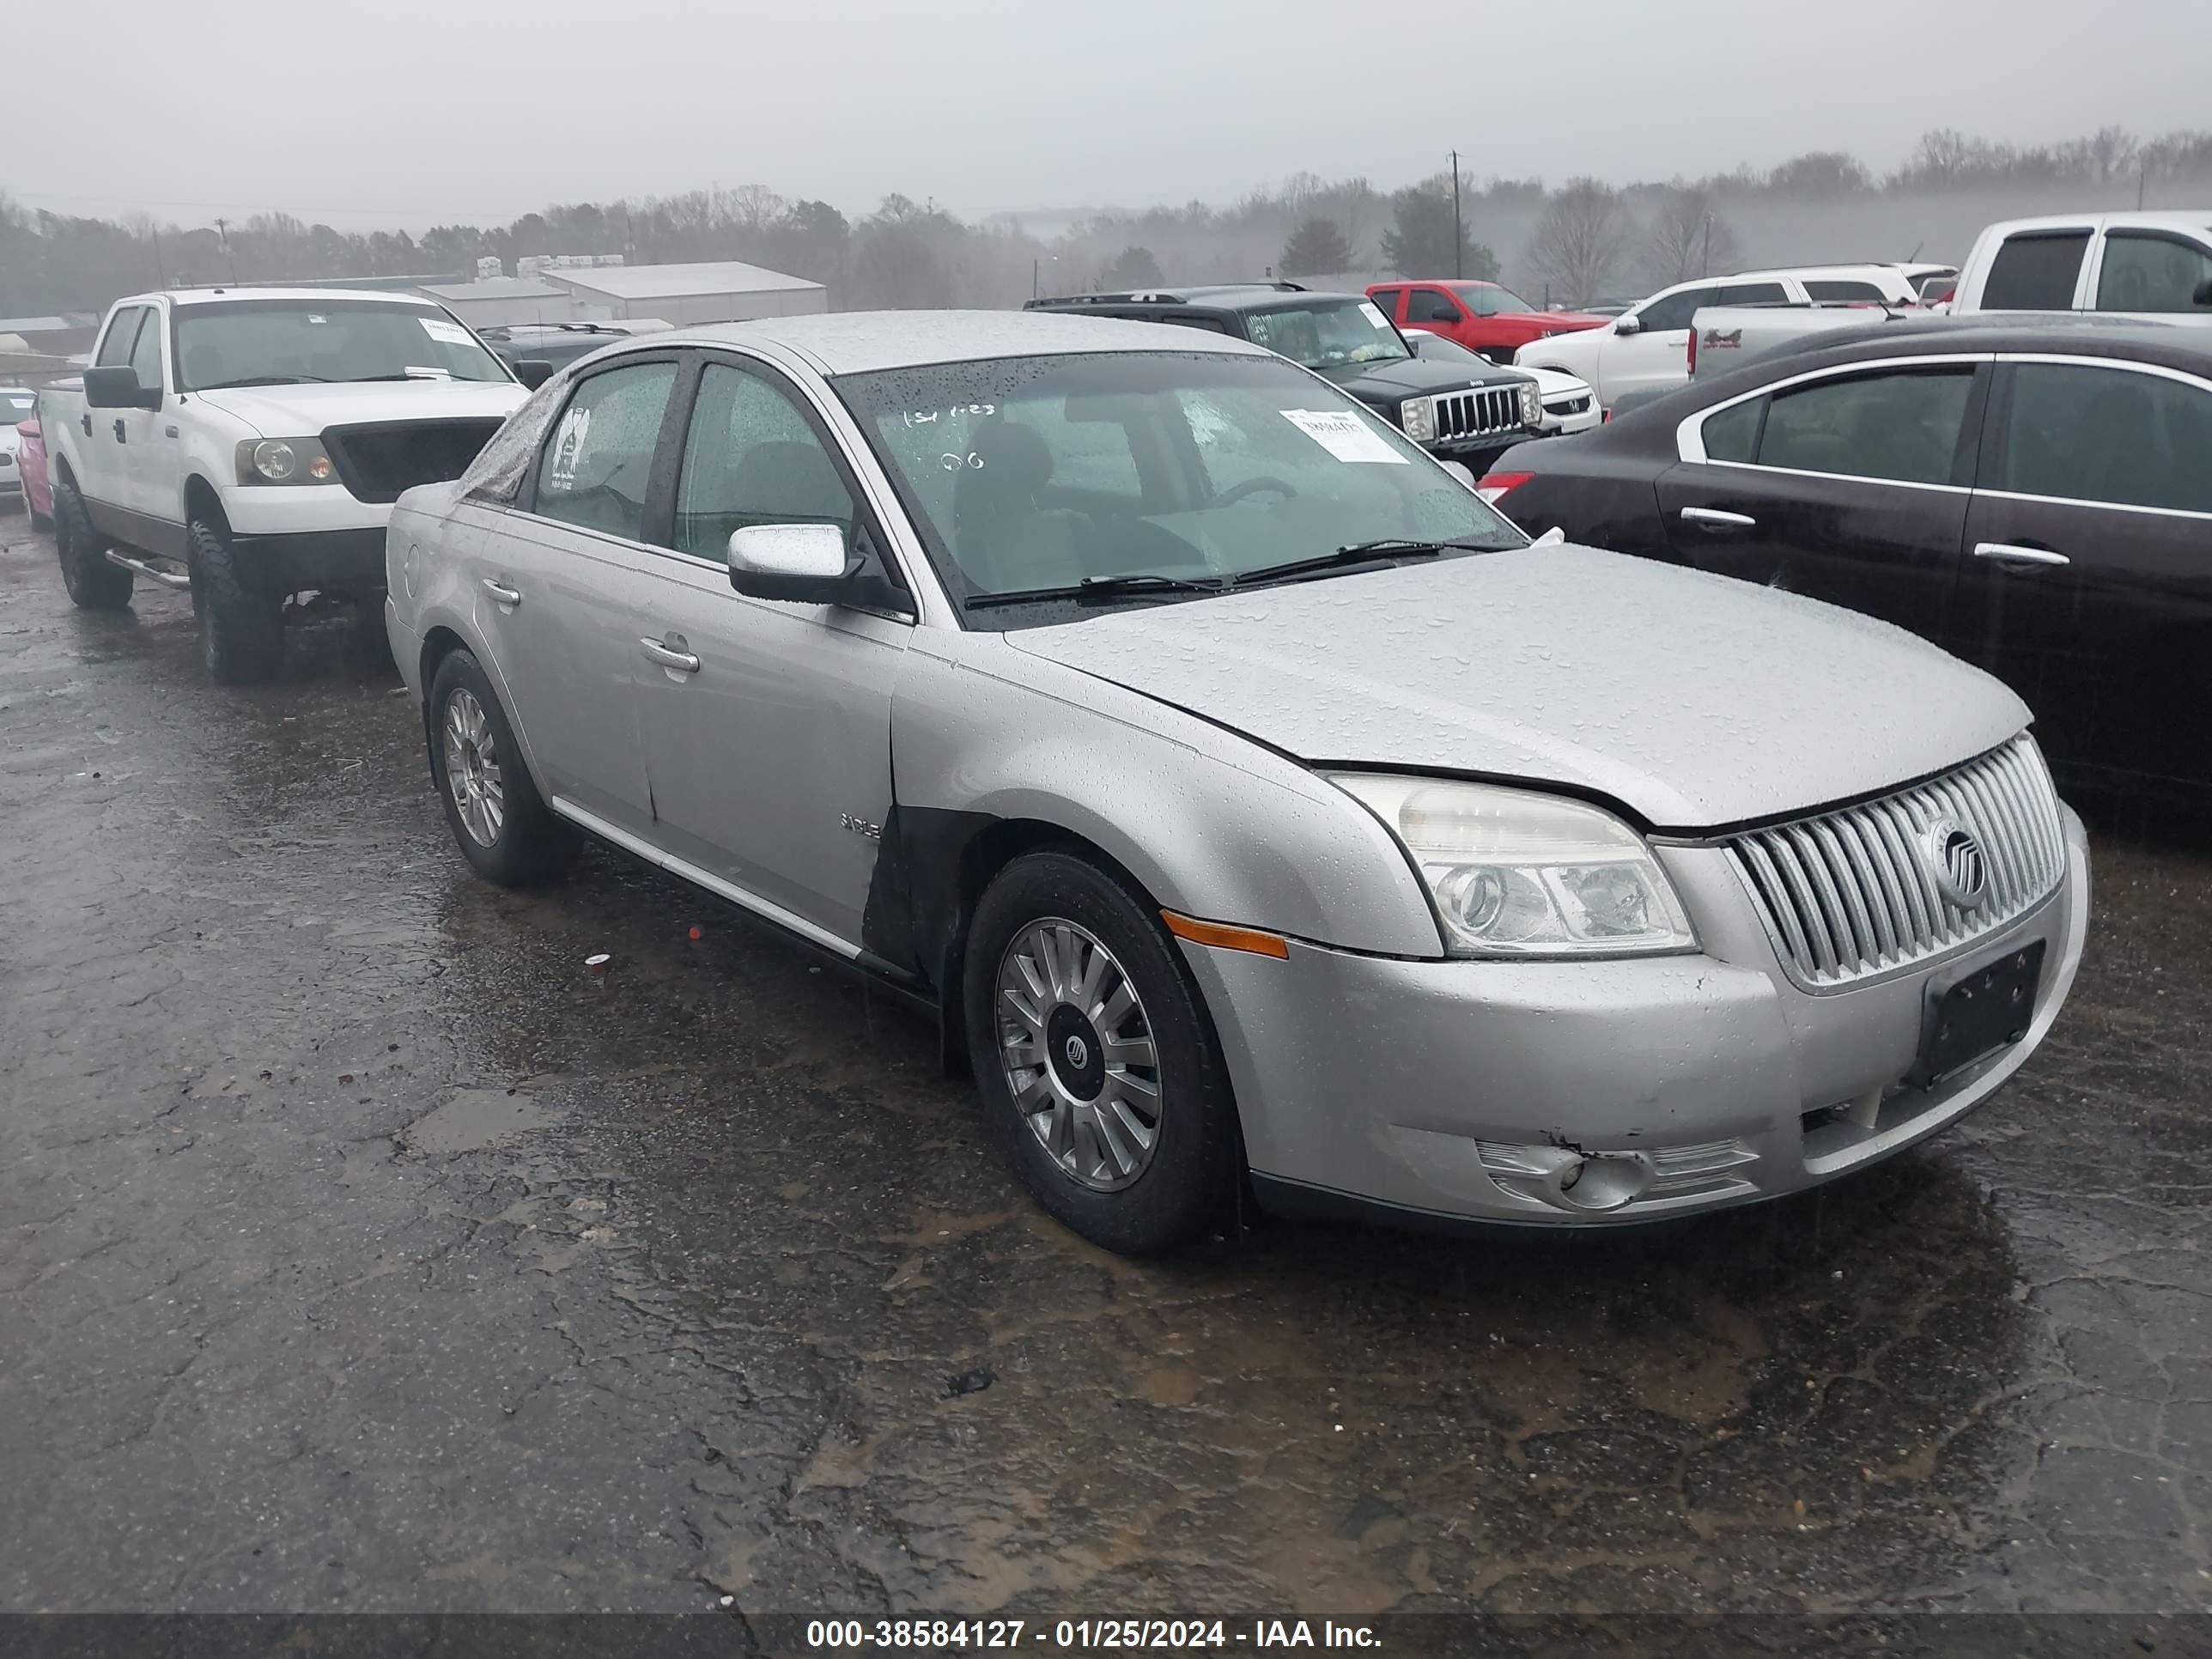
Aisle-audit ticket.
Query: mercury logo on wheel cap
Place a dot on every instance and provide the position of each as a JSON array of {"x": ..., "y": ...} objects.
[
  {"x": 1078, "y": 1053},
  {"x": 1955, "y": 859}
]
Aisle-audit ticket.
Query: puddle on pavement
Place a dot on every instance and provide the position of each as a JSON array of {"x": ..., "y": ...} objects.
[{"x": 478, "y": 1120}]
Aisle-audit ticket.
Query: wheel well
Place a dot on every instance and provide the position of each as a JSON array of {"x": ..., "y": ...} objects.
[
  {"x": 201, "y": 502},
  {"x": 438, "y": 644}
]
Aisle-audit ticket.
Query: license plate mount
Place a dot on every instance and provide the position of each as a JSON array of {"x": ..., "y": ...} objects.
[{"x": 1972, "y": 1012}]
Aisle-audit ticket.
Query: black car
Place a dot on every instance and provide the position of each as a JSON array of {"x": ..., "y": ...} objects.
[
  {"x": 2034, "y": 496},
  {"x": 1457, "y": 411},
  {"x": 557, "y": 344}
]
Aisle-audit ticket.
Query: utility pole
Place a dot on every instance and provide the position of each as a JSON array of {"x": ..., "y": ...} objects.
[
  {"x": 1706, "y": 259},
  {"x": 223, "y": 234},
  {"x": 1035, "y": 267},
  {"x": 2143, "y": 180},
  {"x": 160, "y": 275},
  {"x": 1459, "y": 235}
]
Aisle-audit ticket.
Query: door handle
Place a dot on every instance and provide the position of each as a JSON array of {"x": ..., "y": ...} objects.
[
  {"x": 2014, "y": 557},
  {"x": 119, "y": 437},
  {"x": 85, "y": 421},
  {"x": 1714, "y": 518},
  {"x": 170, "y": 430},
  {"x": 682, "y": 661},
  {"x": 510, "y": 597}
]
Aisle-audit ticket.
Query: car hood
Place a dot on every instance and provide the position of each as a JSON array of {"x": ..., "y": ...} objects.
[
  {"x": 1695, "y": 701},
  {"x": 1553, "y": 383},
  {"x": 1415, "y": 377},
  {"x": 1561, "y": 322},
  {"x": 295, "y": 411}
]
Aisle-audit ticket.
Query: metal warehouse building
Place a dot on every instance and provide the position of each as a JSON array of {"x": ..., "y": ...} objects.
[
  {"x": 501, "y": 300},
  {"x": 723, "y": 291}
]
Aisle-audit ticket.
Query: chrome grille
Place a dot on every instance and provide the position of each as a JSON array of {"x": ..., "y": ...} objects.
[
  {"x": 1478, "y": 413},
  {"x": 1848, "y": 895}
]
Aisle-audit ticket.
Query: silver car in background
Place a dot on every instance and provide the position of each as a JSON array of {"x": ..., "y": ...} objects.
[{"x": 1249, "y": 799}]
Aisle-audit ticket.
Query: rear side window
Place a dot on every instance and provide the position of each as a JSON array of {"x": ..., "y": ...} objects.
[
  {"x": 2147, "y": 272},
  {"x": 598, "y": 462},
  {"x": 1733, "y": 434},
  {"x": 500, "y": 465},
  {"x": 1672, "y": 311},
  {"x": 121, "y": 339},
  {"x": 1751, "y": 294},
  {"x": 1851, "y": 293},
  {"x": 2036, "y": 272},
  {"x": 1425, "y": 304},
  {"x": 1902, "y": 426},
  {"x": 2117, "y": 435}
]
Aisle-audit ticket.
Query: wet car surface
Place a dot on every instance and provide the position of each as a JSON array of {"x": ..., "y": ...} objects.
[{"x": 364, "y": 1250}]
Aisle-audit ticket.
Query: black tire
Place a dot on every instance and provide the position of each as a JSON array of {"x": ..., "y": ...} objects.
[
  {"x": 1197, "y": 1157},
  {"x": 93, "y": 583},
  {"x": 526, "y": 847},
  {"x": 241, "y": 631}
]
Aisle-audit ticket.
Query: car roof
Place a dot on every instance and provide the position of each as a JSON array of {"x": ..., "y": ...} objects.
[
  {"x": 857, "y": 342},
  {"x": 2195, "y": 219},
  {"x": 2024, "y": 331},
  {"x": 1215, "y": 296},
  {"x": 194, "y": 296}
]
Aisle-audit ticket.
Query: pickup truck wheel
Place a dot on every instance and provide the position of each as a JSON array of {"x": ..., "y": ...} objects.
[
  {"x": 1098, "y": 1071},
  {"x": 93, "y": 583},
  {"x": 241, "y": 632},
  {"x": 502, "y": 825}
]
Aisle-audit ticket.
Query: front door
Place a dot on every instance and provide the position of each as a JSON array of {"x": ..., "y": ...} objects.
[
  {"x": 1848, "y": 487},
  {"x": 103, "y": 434},
  {"x": 767, "y": 725},
  {"x": 2087, "y": 584},
  {"x": 150, "y": 444},
  {"x": 555, "y": 589}
]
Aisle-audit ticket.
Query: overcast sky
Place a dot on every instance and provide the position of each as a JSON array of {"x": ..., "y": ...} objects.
[{"x": 404, "y": 112}]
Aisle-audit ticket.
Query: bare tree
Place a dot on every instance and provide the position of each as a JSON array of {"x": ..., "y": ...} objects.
[
  {"x": 1580, "y": 239},
  {"x": 1687, "y": 237}
]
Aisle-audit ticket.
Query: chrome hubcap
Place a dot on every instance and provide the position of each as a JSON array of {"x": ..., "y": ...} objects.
[
  {"x": 1077, "y": 1048},
  {"x": 473, "y": 768}
]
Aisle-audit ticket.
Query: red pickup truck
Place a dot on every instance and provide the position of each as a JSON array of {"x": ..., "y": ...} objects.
[{"x": 1481, "y": 316}]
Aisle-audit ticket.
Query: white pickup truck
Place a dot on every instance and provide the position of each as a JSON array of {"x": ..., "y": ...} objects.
[
  {"x": 248, "y": 443},
  {"x": 2154, "y": 265}
]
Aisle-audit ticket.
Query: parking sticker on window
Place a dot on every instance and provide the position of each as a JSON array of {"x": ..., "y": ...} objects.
[
  {"x": 444, "y": 332},
  {"x": 1344, "y": 434},
  {"x": 1368, "y": 310}
]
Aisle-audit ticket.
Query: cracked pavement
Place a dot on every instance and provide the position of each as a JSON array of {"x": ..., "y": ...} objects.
[{"x": 363, "y": 1252}]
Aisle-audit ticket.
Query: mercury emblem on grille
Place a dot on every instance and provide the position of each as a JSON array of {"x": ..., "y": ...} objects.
[{"x": 1956, "y": 860}]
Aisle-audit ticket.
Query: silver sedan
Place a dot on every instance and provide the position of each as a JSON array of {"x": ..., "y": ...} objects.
[{"x": 1250, "y": 801}]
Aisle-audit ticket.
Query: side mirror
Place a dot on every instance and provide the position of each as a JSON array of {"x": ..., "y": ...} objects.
[
  {"x": 1628, "y": 324},
  {"x": 1460, "y": 471},
  {"x": 2203, "y": 294},
  {"x": 533, "y": 372},
  {"x": 806, "y": 564},
  {"x": 117, "y": 387}
]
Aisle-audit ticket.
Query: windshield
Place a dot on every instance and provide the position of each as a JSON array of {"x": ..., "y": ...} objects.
[
  {"x": 1328, "y": 333},
  {"x": 1493, "y": 302},
  {"x": 1031, "y": 473},
  {"x": 16, "y": 406},
  {"x": 289, "y": 342}
]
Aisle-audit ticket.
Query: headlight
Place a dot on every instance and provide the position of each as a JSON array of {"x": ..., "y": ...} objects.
[
  {"x": 285, "y": 461},
  {"x": 1532, "y": 404},
  {"x": 1515, "y": 873},
  {"x": 1417, "y": 419}
]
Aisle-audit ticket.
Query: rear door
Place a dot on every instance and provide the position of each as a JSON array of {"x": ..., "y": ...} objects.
[
  {"x": 557, "y": 583},
  {"x": 2088, "y": 586},
  {"x": 1434, "y": 309},
  {"x": 1849, "y": 484},
  {"x": 766, "y": 724}
]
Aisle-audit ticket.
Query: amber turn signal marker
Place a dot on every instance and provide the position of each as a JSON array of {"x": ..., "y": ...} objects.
[{"x": 1227, "y": 937}]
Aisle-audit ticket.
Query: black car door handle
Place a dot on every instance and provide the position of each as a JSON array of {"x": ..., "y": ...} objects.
[
  {"x": 85, "y": 421},
  {"x": 2013, "y": 557},
  {"x": 120, "y": 438},
  {"x": 1714, "y": 518}
]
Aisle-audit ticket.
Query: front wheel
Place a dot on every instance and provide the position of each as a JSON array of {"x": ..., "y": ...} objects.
[
  {"x": 1097, "y": 1069},
  {"x": 498, "y": 820},
  {"x": 242, "y": 630},
  {"x": 94, "y": 584}
]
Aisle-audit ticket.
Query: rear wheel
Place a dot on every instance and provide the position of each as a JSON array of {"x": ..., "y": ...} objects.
[
  {"x": 498, "y": 820},
  {"x": 1098, "y": 1071},
  {"x": 94, "y": 584},
  {"x": 241, "y": 631}
]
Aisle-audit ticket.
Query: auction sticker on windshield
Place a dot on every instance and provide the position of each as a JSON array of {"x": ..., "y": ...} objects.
[
  {"x": 444, "y": 332},
  {"x": 1344, "y": 434},
  {"x": 1368, "y": 310}
]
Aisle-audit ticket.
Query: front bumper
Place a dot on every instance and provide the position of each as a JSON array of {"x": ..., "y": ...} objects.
[
  {"x": 325, "y": 560},
  {"x": 1439, "y": 1092}
]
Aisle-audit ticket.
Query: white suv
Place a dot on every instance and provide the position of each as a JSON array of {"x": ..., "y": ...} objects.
[{"x": 1647, "y": 349}]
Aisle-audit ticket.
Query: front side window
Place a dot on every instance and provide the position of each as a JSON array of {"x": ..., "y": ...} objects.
[
  {"x": 1427, "y": 305},
  {"x": 1833, "y": 290},
  {"x": 146, "y": 354},
  {"x": 2036, "y": 272},
  {"x": 1670, "y": 312},
  {"x": 121, "y": 339},
  {"x": 752, "y": 458},
  {"x": 1751, "y": 294},
  {"x": 1387, "y": 299},
  {"x": 1902, "y": 426},
  {"x": 1329, "y": 333},
  {"x": 598, "y": 462},
  {"x": 2152, "y": 273},
  {"x": 1031, "y": 473},
  {"x": 1494, "y": 301},
  {"x": 2117, "y": 435},
  {"x": 291, "y": 341}
]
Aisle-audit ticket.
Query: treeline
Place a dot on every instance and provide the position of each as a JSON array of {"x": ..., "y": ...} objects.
[{"x": 1576, "y": 242}]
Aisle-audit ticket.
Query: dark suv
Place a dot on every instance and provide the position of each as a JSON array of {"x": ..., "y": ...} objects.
[
  {"x": 557, "y": 344},
  {"x": 1458, "y": 411}
]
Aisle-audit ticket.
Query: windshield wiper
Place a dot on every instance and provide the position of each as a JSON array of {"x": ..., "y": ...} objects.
[
  {"x": 1388, "y": 547},
  {"x": 265, "y": 380},
  {"x": 1097, "y": 589}
]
